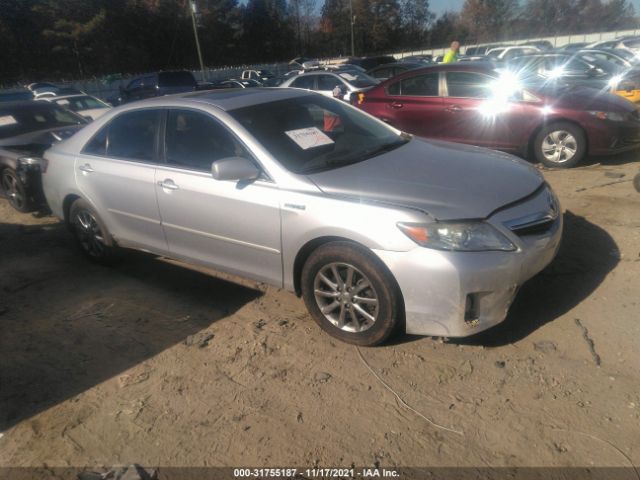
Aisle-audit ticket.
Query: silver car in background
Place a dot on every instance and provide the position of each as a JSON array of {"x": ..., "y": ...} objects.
[
  {"x": 375, "y": 229},
  {"x": 325, "y": 81}
]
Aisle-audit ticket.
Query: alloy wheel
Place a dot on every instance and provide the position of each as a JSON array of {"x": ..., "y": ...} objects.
[
  {"x": 89, "y": 233},
  {"x": 346, "y": 297},
  {"x": 559, "y": 146},
  {"x": 11, "y": 189}
]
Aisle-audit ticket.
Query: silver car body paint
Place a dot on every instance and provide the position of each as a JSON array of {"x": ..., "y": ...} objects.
[{"x": 257, "y": 229}]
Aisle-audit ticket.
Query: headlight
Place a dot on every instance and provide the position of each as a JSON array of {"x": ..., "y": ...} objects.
[
  {"x": 613, "y": 116},
  {"x": 459, "y": 236}
]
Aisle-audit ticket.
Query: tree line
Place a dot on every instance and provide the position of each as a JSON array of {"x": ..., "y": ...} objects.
[{"x": 65, "y": 39}]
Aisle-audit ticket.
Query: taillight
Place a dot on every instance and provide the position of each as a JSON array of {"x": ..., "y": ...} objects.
[{"x": 360, "y": 98}]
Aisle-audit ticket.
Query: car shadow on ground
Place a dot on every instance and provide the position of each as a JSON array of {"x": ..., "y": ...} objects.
[
  {"x": 67, "y": 325},
  {"x": 631, "y": 156},
  {"x": 586, "y": 256}
]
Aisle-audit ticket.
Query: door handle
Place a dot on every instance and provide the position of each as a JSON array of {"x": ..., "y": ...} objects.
[
  {"x": 396, "y": 105},
  {"x": 86, "y": 168},
  {"x": 453, "y": 109},
  {"x": 168, "y": 184}
]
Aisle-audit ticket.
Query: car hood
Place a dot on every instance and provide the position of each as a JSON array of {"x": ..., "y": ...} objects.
[
  {"x": 580, "y": 97},
  {"x": 446, "y": 180}
]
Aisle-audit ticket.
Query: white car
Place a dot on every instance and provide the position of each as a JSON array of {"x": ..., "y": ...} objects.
[
  {"x": 507, "y": 53},
  {"x": 85, "y": 105},
  {"x": 325, "y": 82}
]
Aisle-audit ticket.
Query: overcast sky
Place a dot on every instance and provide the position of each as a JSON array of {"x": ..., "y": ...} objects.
[{"x": 439, "y": 6}]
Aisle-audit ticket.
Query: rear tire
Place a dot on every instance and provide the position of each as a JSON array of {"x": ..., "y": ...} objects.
[
  {"x": 91, "y": 234},
  {"x": 349, "y": 294},
  {"x": 14, "y": 191},
  {"x": 560, "y": 145}
]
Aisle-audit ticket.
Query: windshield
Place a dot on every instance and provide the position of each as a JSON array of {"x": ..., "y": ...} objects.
[
  {"x": 358, "y": 79},
  {"x": 314, "y": 133},
  {"x": 78, "y": 104},
  {"x": 495, "y": 53},
  {"x": 31, "y": 118}
]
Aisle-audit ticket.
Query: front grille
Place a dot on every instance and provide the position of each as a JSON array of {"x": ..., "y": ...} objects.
[{"x": 535, "y": 228}]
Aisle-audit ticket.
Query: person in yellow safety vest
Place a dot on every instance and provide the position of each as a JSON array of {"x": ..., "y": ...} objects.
[{"x": 452, "y": 54}]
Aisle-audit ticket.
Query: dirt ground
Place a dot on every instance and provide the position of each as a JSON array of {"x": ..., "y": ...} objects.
[{"x": 151, "y": 363}]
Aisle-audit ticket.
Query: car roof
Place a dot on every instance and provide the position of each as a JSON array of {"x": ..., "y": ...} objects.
[
  {"x": 395, "y": 64},
  {"x": 14, "y": 106},
  {"x": 229, "y": 99},
  {"x": 471, "y": 66}
]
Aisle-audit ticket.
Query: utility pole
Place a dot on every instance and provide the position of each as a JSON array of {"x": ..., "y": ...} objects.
[
  {"x": 192, "y": 4},
  {"x": 352, "y": 20}
]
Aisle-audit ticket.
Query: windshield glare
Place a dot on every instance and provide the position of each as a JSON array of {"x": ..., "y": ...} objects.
[
  {"x": 26, "y": 119},
  {"x": 315, "y": 133}
]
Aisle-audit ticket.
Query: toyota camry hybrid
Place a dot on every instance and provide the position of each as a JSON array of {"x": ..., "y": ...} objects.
[{"x": 374, "y": 228}]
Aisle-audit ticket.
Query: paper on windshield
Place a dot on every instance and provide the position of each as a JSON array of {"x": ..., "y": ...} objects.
[
  {"x": 307, "y": 138},
  {"x": 7, "y": 120}
]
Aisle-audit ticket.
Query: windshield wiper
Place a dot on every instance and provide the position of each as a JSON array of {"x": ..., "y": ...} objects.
[
  {"x": 383, "y": 149},
  {"x": 342, "y": 162}
]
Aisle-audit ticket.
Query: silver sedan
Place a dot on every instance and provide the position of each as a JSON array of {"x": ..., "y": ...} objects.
[
  {"x": 326, "y": 82},
  {"x": 375, "y": 229}
]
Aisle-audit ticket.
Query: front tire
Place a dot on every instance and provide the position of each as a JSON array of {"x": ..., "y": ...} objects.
[
  {"x": 14, "y": 190},
  {"x": 350, "y": 294},
  {"x": 560, "y": 145},
  {"x": 90, "y": 233}
]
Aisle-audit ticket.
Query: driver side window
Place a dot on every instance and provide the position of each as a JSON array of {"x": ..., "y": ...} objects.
[{"x": 194, "y": 140}]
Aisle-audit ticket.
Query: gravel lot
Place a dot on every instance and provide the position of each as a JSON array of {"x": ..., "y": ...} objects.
[{"x": 151, "y": 363}]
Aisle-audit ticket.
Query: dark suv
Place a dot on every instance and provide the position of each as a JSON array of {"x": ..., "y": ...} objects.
[{"x": 158, "y": 84}]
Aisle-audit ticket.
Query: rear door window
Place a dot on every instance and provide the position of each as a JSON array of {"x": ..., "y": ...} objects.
[
  {"x": 467, "y": 85},
  {"x": 306, "y": 81},
  {"x": 420, "y": 85},
  {"x": 328, "y": 82}
]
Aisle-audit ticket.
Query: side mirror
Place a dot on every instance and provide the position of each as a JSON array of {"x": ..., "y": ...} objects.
[{"x": 234, "y": 169}]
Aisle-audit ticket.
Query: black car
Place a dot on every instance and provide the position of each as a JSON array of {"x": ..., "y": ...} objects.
[
  {"x": 158, "y": 84},
  {"x": 233, "y": 83},
  {"x": 568, "y": 68},
  {"x": 572, "y": 47},
  {"x": 424, "y": 59},
  {"x": 388, "y": 70},
  {"x": 370, "y": 62},
  {"x": 27, "y": 129}
]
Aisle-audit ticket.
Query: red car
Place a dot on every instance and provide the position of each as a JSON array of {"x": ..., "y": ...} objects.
[{"x": 474, "y": 103}]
